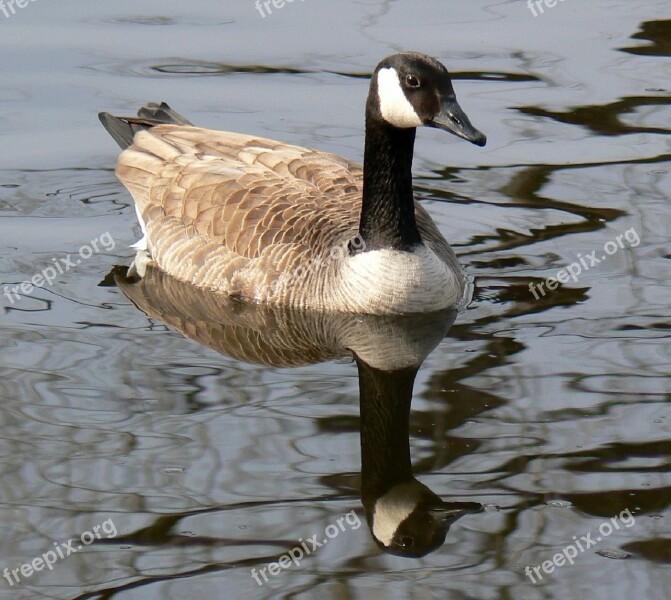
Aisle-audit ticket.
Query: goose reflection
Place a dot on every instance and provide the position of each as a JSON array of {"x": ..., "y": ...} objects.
[{"x": 404, "y": 516}]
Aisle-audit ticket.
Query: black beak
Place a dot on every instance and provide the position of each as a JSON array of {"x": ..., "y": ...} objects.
[
  {"x": 451, "y": 118},
  {"x": 449, "y": 512}
]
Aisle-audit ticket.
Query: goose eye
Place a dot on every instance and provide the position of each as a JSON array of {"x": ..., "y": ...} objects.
[
  {"x": 412, "y": 81},
  {"x": 406, "y": 542}
]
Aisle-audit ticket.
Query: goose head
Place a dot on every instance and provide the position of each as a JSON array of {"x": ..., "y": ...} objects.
[
  {"x": 410, "y": 520},
  {"x": 411, "y": 90}
]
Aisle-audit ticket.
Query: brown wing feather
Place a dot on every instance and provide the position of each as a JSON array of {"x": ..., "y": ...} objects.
[{"x": 225, "y": 185}]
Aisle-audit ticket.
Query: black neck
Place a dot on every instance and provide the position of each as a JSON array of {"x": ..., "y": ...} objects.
[
  {"x": 388, "y": 208},
  {"x": 385, "y": 415}
]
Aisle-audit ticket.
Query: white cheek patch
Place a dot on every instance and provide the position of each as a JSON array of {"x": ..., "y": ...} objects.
[
  {"x": 390, "y": 512},
  {"x": 394, "y": 106}
]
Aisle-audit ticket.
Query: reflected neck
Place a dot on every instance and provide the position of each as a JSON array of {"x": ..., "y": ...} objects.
[{"x": 385, "y": 414}]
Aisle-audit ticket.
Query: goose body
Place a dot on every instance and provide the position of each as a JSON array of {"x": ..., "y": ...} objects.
[{"x": 282, "y": 224}]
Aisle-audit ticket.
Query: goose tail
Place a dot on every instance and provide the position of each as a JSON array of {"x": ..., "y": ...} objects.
[{"x": 123, "y": 129}]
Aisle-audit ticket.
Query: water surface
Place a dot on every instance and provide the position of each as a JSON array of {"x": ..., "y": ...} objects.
[{"x": 552, "y": 412}]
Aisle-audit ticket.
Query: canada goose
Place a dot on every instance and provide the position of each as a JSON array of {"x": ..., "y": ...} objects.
[
  {"x": 404, "y": 516},
  {"x": 281, "y": 224}
]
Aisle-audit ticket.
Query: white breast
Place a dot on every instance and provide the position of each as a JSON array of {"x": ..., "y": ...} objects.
[{"x": 391, "y": 281}]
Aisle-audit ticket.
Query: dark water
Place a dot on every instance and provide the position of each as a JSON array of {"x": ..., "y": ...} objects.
[{"x": 552, "y": 412}]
